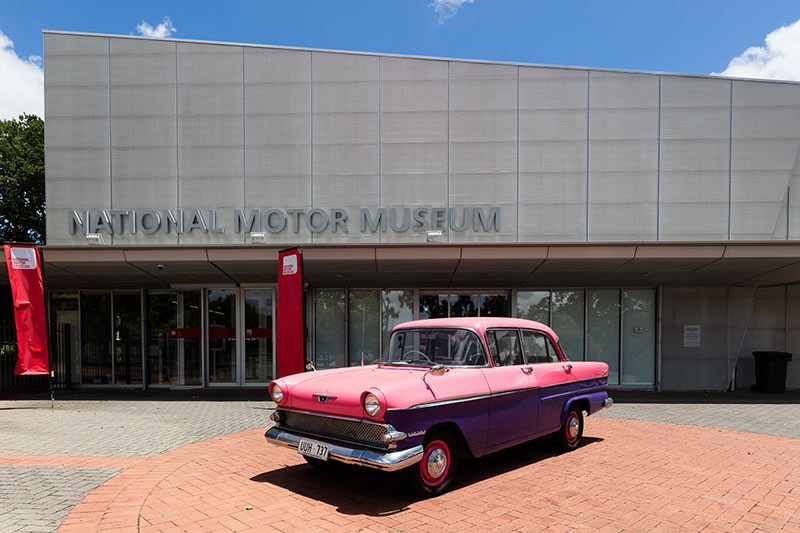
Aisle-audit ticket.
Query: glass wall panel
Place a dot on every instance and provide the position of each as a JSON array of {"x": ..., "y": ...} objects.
[
  {"x": 494, "y": 305},
  {"x": 96, "y": 354},
  {"x": 65, "y": 324},
  {"x": 602, "y": 330},
  {"x": 639, "y": 337},
  {"x": 365, "y": 332},
  {"x": 222, "y": 336},
  {"x": 396, "y": 307},
  {"x": 534, "y": 305},
  {"x": 434, "y": 306},
  {"x": 329, "y": 328},
  {"x": 258, "y": 335},
  {"x": 463, "y": 305},
  {"x": 568, "y": 313},
  {"x": 127, "y": 338},
  {"x": 173, "y": 338}
]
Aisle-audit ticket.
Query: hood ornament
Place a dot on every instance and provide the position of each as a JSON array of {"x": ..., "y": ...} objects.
[{"x": 323, "y": 398}]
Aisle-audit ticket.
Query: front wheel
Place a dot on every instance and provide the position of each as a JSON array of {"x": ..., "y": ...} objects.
[
  {"x": 571, "y": 432},
  {"x": 434, "y": 473}
]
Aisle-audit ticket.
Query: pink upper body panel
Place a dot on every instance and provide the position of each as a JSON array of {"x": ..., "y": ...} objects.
[{"x": 340, "y": 392}]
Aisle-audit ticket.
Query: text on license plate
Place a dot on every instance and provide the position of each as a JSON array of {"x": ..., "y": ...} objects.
[{"x": 312, "y": 448}]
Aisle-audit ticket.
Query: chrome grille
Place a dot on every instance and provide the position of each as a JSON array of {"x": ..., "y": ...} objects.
[{"x": 335, "y": 428}]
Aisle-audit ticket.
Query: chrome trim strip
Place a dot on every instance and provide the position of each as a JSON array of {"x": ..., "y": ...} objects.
[
  {"x": 504, "y": 393},
  {"x": 387, "y": 462}
]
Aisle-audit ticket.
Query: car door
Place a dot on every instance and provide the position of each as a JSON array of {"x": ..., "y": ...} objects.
[
  {"x": 513, "y": 400},
  {"x": 553, "y": 375}
]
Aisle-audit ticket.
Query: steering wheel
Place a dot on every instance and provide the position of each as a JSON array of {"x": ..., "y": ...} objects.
[{"x": 414, "y": 353}]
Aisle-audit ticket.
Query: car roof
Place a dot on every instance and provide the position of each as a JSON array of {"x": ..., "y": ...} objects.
[{"x": 479, "y": 324}]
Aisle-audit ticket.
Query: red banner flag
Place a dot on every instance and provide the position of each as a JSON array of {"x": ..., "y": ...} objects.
[
  {"x": 290, "y": 319},
  {"x": 25, "y": 273}
]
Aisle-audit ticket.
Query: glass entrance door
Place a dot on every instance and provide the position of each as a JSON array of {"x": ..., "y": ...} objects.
[
  {"x": 258, "y": 359},
  {"x": 222, "y": 352},
  {"x": 239, "y": 338}
]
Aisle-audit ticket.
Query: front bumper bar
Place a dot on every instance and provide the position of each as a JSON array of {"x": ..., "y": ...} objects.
[{"x": 388, "y": 462}]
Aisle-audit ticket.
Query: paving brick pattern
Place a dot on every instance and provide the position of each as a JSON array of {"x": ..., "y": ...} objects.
[
  {"x": 36, "y": 499},
  {"x": 156, "y": 464}
]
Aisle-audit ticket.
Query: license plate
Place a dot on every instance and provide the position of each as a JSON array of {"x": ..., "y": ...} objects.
[{"x": 312, "y": 448}]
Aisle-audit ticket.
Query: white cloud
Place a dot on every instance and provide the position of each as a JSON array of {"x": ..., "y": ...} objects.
[
  {"x": 21, "y": 82},
  {"x": 163, "y": 30},
  {"x": 447, "y": 9},
  {"x": 778, "y": 59}
]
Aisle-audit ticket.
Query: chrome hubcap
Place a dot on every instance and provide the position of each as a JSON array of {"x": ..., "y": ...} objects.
[
  {"x": 572, "y": 428},
  {"x": 437, "y": 463}
]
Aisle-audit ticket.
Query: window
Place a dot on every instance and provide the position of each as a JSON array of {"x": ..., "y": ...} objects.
[
  {"x": 504, "y": 347},
  {"x": 450, "y": 347},
  {"x": 538, "y": 347}
]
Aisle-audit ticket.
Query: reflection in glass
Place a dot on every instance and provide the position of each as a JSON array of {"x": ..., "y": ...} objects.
[
  {"x": 463, "y": 305},
  {"x": 173, "y": 338},
  {"x": 96, "y": 355},
  {"x": 434, "y": 306},
  {"x": 534, "y": 305},
  {"x": 639, "y": 338},
  {"x": 396, "y": 307},
  {"x": 364, "y": 333},
  {"x": 567, "y": 308},
  {"x": 494, "y": 305},
  {"x": 127, "y": 338},
  {"x": 222, "y": 336},
  {"x": 258, "y": 335},
  {"x": 602, "y": 330},
  {"x": 65, "y": 342},
  {"x": 329, "y": 328}
]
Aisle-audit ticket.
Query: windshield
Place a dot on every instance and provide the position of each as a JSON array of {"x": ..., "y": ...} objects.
[{"x": 435, "y": 346}]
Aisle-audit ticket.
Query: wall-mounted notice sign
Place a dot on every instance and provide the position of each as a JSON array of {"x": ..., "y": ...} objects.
[{"x": 692, "y": 335}]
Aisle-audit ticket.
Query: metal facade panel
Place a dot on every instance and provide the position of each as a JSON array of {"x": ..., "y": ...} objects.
[
  {"x": 414, "y": 134},
  {"x": 76, "y": 130},
  {"x": 766, "y": 131},
  {"x": 345, "y": 130},
  {"x": 552, "y": 154},
  {"x": 623, "y": 156},
  {"x": 483, "y": 144},
  {"x": 695, "y": 163},
  {"x": 144, "y": 153},
  {"x": 210, "y": 135}
]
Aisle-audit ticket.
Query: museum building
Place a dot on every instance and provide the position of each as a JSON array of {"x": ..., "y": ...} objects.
[{"x": 653, "y": 220}]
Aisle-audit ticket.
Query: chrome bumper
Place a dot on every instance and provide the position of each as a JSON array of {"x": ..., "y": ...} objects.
[
  {"x": 608, "y": 402},
  {"x": 388, "y": 462}
]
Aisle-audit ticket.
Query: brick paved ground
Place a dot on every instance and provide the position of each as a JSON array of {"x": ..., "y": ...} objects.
[{"x": 637, "y": 472}]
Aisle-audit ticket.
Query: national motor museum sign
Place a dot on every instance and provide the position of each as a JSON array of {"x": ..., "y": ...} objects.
[{"x": 317, "y": 220}]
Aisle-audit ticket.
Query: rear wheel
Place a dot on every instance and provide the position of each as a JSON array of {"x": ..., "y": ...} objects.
[
  {"x": 434, "y": 473},
  {"x": 571, "y": 432}
]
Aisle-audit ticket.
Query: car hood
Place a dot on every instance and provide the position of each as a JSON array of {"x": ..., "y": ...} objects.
[{"x": 397, "y": 387}]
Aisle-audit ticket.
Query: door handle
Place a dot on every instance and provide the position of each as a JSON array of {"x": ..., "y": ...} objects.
[
  {"x": 527, "y": 370},
  {"x": 568, "y": 368}
]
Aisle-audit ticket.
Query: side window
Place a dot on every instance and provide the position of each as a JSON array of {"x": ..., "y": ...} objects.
[
  {"x": 504, "y": 347},
  {"x": 535, "y": 345},
  {"x": 538, "y": 347},
  {"x": 552, "y": 354}
]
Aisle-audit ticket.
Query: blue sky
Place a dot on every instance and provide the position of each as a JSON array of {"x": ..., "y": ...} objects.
[{"x": 683, "y": 36}]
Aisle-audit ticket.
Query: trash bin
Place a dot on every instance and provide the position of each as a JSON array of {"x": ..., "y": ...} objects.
[{"x": 771, "y": 371}]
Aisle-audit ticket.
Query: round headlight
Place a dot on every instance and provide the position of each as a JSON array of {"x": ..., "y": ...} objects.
[
  {"x": 277, "y": 393},
  {"x": 371, "y": 405}
]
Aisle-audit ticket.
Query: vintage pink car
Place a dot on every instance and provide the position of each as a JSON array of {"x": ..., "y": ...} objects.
[{"x": 445, "y": 389}]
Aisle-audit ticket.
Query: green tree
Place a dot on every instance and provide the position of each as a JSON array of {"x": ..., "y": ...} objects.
[{"x": 22, "y": 209}]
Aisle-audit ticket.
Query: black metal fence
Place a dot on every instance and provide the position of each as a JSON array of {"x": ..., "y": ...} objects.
[{"x": 59, "y": 360}]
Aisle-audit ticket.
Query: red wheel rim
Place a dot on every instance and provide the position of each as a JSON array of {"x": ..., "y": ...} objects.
[
  {"x": 572, "y": 428},
  {"x": 435, "y": 464}
]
